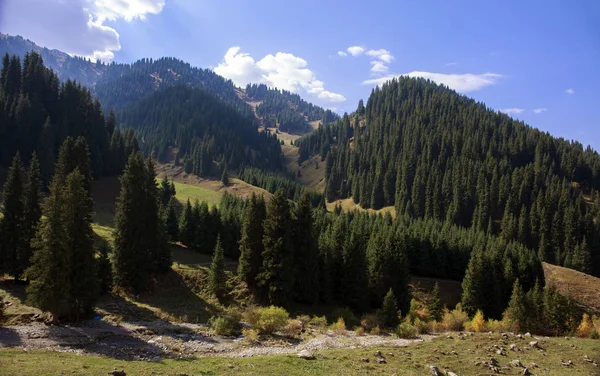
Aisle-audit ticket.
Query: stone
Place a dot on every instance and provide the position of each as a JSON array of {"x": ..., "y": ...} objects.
[
  {"x": 117, "y": 372},
  {"x": 527, "y": 334},
  {"x": 534, "y": 344},
  {"x": 434, "y": 371},
  {"x": 381, "y": 361},
  {"x": 516, "y": 363},
  {"x": 500, "y": 351},
  {"x": 526, "y": 371},
  {"x": 514, "y": 347},
  {"x": 533, "y": 365},
  {"x": 305, "y": 354},
  {"x": 366, "y": 360},
  {"x": 451, "y": 374},
  {"x": 450, "y": 337}
]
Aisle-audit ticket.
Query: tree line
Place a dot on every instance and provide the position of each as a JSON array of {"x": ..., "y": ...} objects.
[{"x": 432, "y": 153}]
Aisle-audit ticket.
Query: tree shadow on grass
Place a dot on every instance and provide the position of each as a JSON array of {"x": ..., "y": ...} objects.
[{"x": 9, "y": 338}]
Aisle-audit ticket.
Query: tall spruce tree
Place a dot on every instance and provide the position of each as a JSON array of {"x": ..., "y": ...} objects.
[
  {"x": 187, "y": 225},
  {"x": 172, "y": 220},
  {"x": 13, "y": 231},
  {"x": 251, "y": 242},
  {"x": 217, "y": 277},
  {"x": 33, "y": 210},
  {"x": 276, "y": 275},
  {"x": 306, "y": 284}
]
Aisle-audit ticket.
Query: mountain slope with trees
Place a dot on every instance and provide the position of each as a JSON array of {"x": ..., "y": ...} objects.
[{"x": 435, "y": 154}]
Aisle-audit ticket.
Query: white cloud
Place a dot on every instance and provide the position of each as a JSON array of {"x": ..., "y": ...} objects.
[
  {"x": 540, "y": 110},
  {"x": 570, "y": 91},
  {"x": 356, "y": 50},
  {"x": 282, "y": 70},
  {"x": 512, "y": 111},
  {"x": 463, "y": 83},
  {"x": 77, "y": 27},
  {"x": 378, "y": 67},
  {"x": 342, "y": 53},
  {"x": 383, "y": 55}
]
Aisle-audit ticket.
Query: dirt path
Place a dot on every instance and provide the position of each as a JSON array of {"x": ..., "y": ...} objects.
[{"x": 156, "y": 340}]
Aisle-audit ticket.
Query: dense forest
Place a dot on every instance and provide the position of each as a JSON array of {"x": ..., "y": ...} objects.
[
  {"x": 203, "y": 129},
  {"x": 434, "y": 154},
  {"x": 286, "y": 110},
  {"x": 37, "y": 112}
]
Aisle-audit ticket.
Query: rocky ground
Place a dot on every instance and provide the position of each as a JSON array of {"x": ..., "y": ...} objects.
[{"x": 157, "y": 340}]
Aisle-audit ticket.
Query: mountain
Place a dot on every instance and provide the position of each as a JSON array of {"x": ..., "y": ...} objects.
[
  {"x": 436, "y": 155},
  {"x": 118, "y": 86}
]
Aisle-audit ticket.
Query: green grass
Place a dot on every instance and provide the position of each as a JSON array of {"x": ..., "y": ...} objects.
[
  {"x": 194, "y": 192},
  {"x": 410, "y": 360}
]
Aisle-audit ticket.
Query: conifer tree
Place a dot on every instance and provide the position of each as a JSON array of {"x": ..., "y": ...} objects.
[
  {"x": 276, "y": 276},
  {"x": 187, "y": 225},
  {"x": 172, "y": 221},
  {"x": 83, "y": 281},
  {"x": 435, "y": 305},
  {"x": 13, "y": 229},
  {"x": 516, "y": 312},
  {"x": 225, "y": 177},
  {"x": 155, "y": 238},
  {"x": 105, "y": 277},
  {"x": 251, "y": 242},
  {"x": 217, "y": 277},
  {"x": 132, "y": 260},
  {"x": 33, "y": 210},
  {"x": 389, "y": 309},
  {"x": 305, "y": 253}
]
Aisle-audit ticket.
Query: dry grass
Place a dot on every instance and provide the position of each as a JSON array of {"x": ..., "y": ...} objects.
[
  {"x": 582, "y": 288},
  {"x": 310, "y": 176},
  {"x": 348, "y": 204}
]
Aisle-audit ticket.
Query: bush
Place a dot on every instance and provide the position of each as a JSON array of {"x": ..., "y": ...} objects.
[
  {"x": 421, "y": 326},
  {"x": 477, "y": 324},
  {"x": 594, "y": 334},
  {"x": 252, "y": 315},
  {"x": 293, "y": 328},
  {"x": 370, "y": 321},
  {"x": 271, "y": 319},
  {"x": 251, "y": 336},
  {"x": 225, "y": 325},
  {"x": 586, "y": 327},
  {"x": 389, "y": 309},
  {"x": 376, "y": 331},
  {"x": 346, "y": 313},
  {"x": 318, "y": 322},
  {"x": 304, "y": 319},
  {"x": 360, "y": 331},
  {"x": 455, "y": 319},
  {"x": 418, "y": 310},
  {"x": 339, "y": 326},
  {"x": 497, "y": 326},
  {"x": 406, "y": 329}
]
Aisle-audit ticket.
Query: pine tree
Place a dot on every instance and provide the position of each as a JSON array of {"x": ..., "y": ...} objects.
[
  {"x": 225, "y": 177},
  {"x": 132, "y": 259},
  {"x": 217, "y": 278},
  {"x": 82, "y": 273},
  {"x": 516, "y": 312},
  {"x": 48, "y": 274},
  {"x": 187, "y": 225},
  {"x": 305, "y": 253},
  {"x": 389, "y": 310},
  {"x": 13, "y": 231},
  {"x": 435, "y": 305},
  {"x": 276, "y": 276},
  {"x": 172, "y": 221},
  {"x": 251, "y": 245},
  {"x": 33, "y": 210},
  {"x": 155, "y": 238},
  {"x": 104, "y": 268}
]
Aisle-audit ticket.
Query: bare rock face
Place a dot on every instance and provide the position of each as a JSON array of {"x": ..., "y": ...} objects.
[{"x": 305, "y": 354}]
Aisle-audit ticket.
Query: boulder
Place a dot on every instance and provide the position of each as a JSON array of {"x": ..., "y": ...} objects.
[
  {"x": 434, "y": 371},
  {"x": 534, "y": 344},
  {"x": 516, "y": 363},
  {"x": 305, "y": 354},
  {"x": 117, "y": 372},
  {"x": 514, "y": 347}
]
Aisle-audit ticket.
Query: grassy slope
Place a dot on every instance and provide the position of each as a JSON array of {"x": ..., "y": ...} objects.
[
  {"x": 410, "y": 360},
  {"x": 583, "y": 288}
]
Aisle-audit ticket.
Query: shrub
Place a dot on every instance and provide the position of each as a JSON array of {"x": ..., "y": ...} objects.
[
  {"x": 421, "y": 326},
  {"x": 389, "y": 310},
  {"x": 497, "y": 326},
  {"x": 370, "y": 321},
  {"x": 252, "y": 315},
  {"x": 418, "y": 310},
  {"x": 586, "y": 326},
  {"x": 304, "y": 319},
  {"x": 339, "y": 326},
  {"x": 477, "y": 324},
  {"x": 376, "y": 331},
  {"x": 594, "y": 334},
  {"x": 455, "y": 319},
  {"x": 360, "y": 331},
  {"x": 272, "y": 319},
  {"x": 406, "y": 329},
  {"x": 225, "y": 325},
  {"x": 346, "y": 313},
  {"x": 251, "y": 336},
  {"x": 318, "y": 322},
  {"x": 596, "y": 322},
  {"x": 293, "y": 328}
]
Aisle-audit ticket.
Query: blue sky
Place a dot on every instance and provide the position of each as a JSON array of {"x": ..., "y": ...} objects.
[{"x": 536, "y": 60}]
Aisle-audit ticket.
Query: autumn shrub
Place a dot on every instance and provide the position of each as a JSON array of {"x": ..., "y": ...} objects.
[
  {"x": 497, "y": 326},
  {"x": 376, "y": 331},
  {"x": 346, "y": 313},
  {"x": 339, "y": 326},
  {"x": 319, "y": 322},
  {"x": 293, "y": 328},
  {"x": 421, "y": 326},
  {"x": 406, "y": 329},
  {"x": 359, "y": 331},
  {"x": 455, "y": 319},
  {"x": 251, "y": 336},
  {"x": 586, "y": 327},
  {"x": 272, "y": 319},
  {"x": 477, "y": 324},
  {"x": 225, "y": 325},
  {"x": 370, "y": 321}
]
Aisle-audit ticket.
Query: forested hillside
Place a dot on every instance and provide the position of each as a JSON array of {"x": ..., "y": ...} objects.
[
  {"x": 286, "y": 110},
  {"x": 435, "y": 154},
  {"x": 37, "y": 113},
  {"x": 203, "y": 129}
]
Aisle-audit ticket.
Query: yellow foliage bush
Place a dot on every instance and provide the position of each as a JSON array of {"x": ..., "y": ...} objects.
[
  {"x": 370, "y": 321},
  {"x": 477, "y": 324},
  {"x": 586, "y": 327},
  {"x": 251, "y": 336},
  {"x": 339, "y": 326},
  {"x": 455, "y": 319},
  {"x": 376, "y": 331},
  {"x": 272, "y": 319},
  {"x": 421, "y": 326},
  {"x": 360, "y": 331},
  {"x": 497, "y": 326}
]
